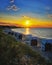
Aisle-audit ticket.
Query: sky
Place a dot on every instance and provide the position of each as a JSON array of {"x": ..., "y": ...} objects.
[{"x": 17, "y": 12}]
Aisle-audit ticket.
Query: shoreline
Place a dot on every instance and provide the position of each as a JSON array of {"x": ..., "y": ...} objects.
[
  {"x": 41, "y": 38},
  {"x": 41, "y": 42}
]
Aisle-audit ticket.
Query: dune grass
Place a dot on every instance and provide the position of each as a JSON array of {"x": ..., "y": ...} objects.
[{"x": 17, "y": 53}]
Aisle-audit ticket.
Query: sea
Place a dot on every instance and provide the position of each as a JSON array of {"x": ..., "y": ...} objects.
[{"x": 38, "y": 32}]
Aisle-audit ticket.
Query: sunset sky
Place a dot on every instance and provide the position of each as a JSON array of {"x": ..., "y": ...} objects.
[{"x": 26, "y": 13}]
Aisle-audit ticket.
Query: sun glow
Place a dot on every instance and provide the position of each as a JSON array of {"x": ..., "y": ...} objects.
[{"x": 27, "y": 23}]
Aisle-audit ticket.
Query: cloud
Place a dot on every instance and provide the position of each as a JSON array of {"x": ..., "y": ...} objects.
[
  {"x": 13, "y": 7},
  {"x": 48, "y": 8},
  {"x": 26, "y": 17},
  {"x": 49, "y": 15},
  {"x": 49, "y": 11},
  {"x": 11, "y": 1},
  {"x": 2, "y": 23},
  {"x": 8, "y": 24},
  {"x": 0, "y": 17},
  {"x": 9, "y": 8}
]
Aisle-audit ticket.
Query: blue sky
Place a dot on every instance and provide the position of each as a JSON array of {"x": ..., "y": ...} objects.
[{"x": 32, "y": 8}]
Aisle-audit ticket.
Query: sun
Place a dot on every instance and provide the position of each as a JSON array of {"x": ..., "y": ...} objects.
[{"x": 27, "y": 22}]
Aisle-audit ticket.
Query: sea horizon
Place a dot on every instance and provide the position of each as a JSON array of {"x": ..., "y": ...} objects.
[{"x": 38, "y": 32}]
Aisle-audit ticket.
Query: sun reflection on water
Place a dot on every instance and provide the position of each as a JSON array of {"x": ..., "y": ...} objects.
[{"x": 27, "y": 31}]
